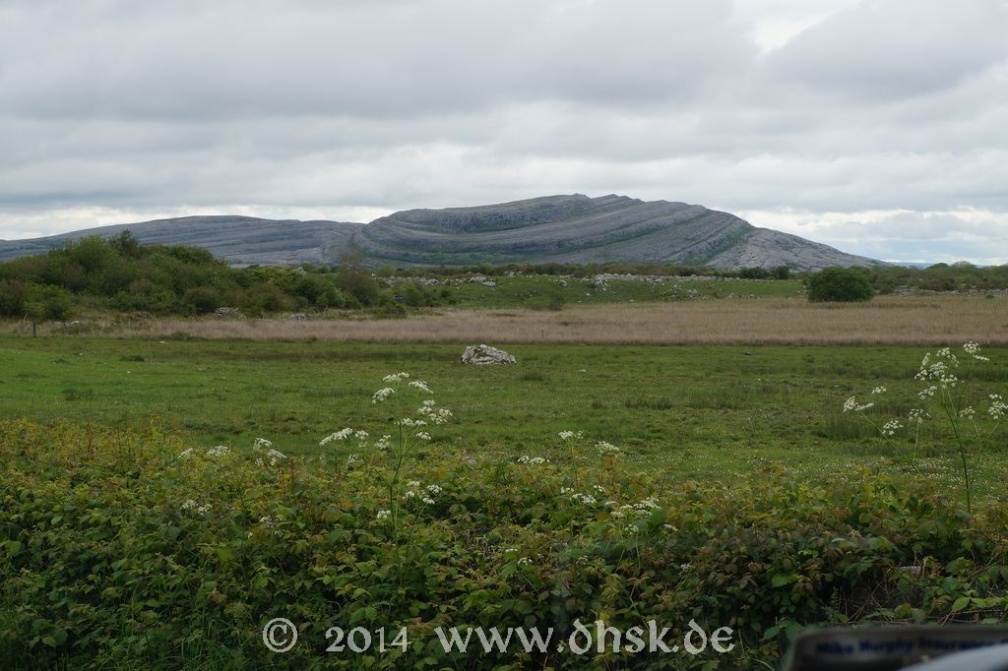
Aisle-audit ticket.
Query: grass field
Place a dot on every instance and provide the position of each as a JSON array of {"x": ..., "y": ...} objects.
[
  {"x": 697, "y": 411},
  {"x": 739, "y": 398}
]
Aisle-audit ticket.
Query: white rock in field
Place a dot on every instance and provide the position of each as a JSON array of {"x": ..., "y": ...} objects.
[{"x": 485, "y": 354}]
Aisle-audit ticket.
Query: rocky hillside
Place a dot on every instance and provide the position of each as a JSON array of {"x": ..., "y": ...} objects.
[
  {"x": 564, "y": 229},
  {"x": 238, "y": 240},
  {"x": 579, "y": 229}
]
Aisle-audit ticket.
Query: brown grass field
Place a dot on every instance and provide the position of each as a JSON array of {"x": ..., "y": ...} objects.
[{"x": 910, "y": 320}]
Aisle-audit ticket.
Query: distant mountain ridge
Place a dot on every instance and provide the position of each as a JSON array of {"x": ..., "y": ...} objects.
[{"x": 564, "y": 229}]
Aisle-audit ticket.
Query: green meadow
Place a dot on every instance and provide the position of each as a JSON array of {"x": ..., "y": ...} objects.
[
  {"x": 700, "y": 412},
  {"x": 164, "y": 498}
]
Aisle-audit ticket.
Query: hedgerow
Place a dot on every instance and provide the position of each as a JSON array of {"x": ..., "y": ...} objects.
[{"x": 128, "y": 549}]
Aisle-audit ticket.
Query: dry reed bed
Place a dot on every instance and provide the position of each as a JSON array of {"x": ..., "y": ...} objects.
[{"x": 933, "y": 320}]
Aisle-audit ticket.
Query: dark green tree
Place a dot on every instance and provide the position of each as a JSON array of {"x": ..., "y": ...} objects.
[
  {"x": 354, "y": 278},
  {"x": 840, "y": 285}
]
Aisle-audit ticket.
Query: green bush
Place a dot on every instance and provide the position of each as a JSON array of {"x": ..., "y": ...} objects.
[
  {"x": 133, "y": 550},
  {"x": 840, "y": 285}
]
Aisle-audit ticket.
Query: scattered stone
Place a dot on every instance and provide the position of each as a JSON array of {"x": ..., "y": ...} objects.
[{"x": 482, "y": 355}]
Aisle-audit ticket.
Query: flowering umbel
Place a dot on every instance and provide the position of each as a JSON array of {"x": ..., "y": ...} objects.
[{"x": 946, "y": 394}]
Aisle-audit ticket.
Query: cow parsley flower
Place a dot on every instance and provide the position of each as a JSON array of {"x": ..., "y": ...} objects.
[
  {"x": 606, "y": 448},
  {"x": 342, "y": 434},
  {"x": 891, "y": 427},
  {"x": 218, "y": 451},
  {"x": 998, "y": 408},
  {"x": 532, "y": 461},
  {"x": 191, "y": 506},
  {"x": 421, "y": 385},
  {"x": 851, "y": 405},
  {"x": 382, "y": 394}
]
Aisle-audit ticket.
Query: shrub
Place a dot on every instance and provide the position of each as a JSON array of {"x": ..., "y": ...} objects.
[{"x": 839, "y": 284}]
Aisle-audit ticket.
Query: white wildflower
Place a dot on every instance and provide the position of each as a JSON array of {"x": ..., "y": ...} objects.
[
  {"x": 218, "y": 451},
  {"x": 568, "y": 434},
  {"x": 649, "y": 503},
  {"x": 434, "y": 414},
  {"x": 998, "y": 408},
  {"x": 434, "y": 490},
  {"x": 191, "y": 506},
  {"x": 851, "y": 405},
  {"x": 185, "y": 454},
  {"x": 606, "y": 448},
  {"x": 879, "y": 389},
  {"x": 421, "y": 385},
  {"x": 342, "y": 434},
  {"x": 891, "y": 427},
  {"x": 382, "y": 394},
  {"x": 413, "y": 483},
  {"x": 273, "y": 456},
  {"x": 395, "y": 377},
  {"x": 383, "y": 514},
  {"x": 261, "y": 444}
]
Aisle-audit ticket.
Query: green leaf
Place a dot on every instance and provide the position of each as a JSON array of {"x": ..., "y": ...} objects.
[{"x": 782, "y": 579}]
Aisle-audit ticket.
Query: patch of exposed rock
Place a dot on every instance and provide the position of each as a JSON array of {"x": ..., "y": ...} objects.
[{"x": 483, "y": 355}]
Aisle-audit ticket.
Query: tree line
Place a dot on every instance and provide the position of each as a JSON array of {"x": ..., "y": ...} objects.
[{"x": 121, "y": 274}]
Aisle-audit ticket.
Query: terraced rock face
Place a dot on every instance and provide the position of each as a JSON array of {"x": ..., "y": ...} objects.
[
  {"x": 579, "y": 229},
  {"x": 563, "y": 229},
  {"x": 236, "y": 239}
]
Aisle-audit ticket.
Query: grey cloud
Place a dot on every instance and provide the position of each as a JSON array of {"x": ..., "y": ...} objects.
[
  {"x": 887, "y": 49},
  {"x": 233, "y": 59},
  {"x": 389, "y": 104}
]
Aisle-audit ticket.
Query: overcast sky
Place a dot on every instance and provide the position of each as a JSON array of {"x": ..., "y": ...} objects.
[{"x": 879, "y": 127}]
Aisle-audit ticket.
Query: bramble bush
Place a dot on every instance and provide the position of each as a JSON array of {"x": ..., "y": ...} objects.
[{"x": 125, "y": 549}]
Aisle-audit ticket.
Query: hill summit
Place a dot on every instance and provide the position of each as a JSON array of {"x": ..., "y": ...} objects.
[
  {"x": 573, "y": 229},
  {"x": 579, "y": 229}
]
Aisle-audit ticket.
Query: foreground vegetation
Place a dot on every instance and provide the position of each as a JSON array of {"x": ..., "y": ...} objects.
[
  {"x": 675, "y": 445},
  {"x": 164, "y": 499}
]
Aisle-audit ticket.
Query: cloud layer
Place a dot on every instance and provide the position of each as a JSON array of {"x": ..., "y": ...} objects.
[{"x": 874, "y": 126}]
